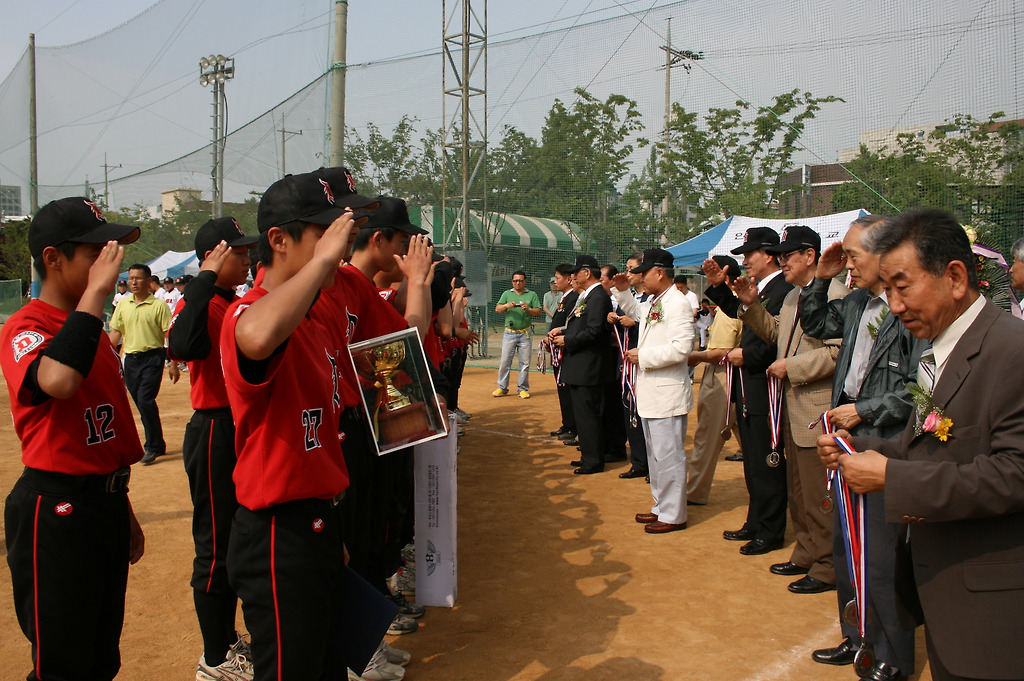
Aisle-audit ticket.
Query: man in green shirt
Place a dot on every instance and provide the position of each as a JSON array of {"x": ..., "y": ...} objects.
[
  {"x": 518, "y": 305},
  {"x": 139, "y": 324}
]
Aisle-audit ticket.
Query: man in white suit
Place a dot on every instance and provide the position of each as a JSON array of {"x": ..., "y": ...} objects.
[{"x": 664, "y": 393}]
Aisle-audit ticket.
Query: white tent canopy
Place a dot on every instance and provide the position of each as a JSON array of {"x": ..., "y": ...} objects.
[{"x": 173, "y": 264}]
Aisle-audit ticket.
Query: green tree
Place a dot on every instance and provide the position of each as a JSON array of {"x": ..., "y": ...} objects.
[
  {"x": 15, "y": 258},
  {"x": 396, "y": 165},
  {"x": 730, "y": 161}
]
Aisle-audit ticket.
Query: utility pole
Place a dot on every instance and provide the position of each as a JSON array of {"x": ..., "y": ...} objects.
[
  {"x": 673, "y": 58},
  {"x": 337, "y": 157},
  {"x": 284, "y": 133},
  {"x": 216, "y": 70},
  {"x": 106, "y": 181},
  {"x": 33, "y": 150}
]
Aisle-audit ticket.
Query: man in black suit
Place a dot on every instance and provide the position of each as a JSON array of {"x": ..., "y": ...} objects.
[
  {"x": 765, "y": 527},
  {"x": 588, "y": 363},
  {"x": 563, "y": 283}
]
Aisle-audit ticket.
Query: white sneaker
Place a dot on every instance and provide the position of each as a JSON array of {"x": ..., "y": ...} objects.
[
  {"x": 235, "y": 668},
  {"x": 395, "y": 655},
  {"x": 352, "y": 676},
  {"x": 241, "y": 646},
  {"x": 380, "y": 669}
]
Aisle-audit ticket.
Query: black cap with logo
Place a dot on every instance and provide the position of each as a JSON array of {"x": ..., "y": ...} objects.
[
  {"x": 220, "y": 229},
  {"x": 391, "y": 213},
  {"x": 755, "y": 239},
  {"x": 78, "y": 220},
  {"x": 797, "y": 238},
  {"x": 654, "y": 257},
  {"x": 309, "y": 198},
  {"x": 585, "y": 261}
]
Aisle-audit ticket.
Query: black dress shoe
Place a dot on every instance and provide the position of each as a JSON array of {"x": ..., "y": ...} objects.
[
  {"x": 810, "y": 585},
  {"x": 741, "y": 534},
  {"x": 588, "y": 471},
  {"x": 575, "y": 442},
  {"x": 694, "y": 503},
  {"x": 842, "y": 654},
  {"x": 632, "y": 473},
  {"x": 577, "y": 462},
  {"x": 883, "y": 672},
  {"x": 559, "y": 433},
  {"x": 789, "y": 569},
  {"x": 758, "y": 546},
  {"x": 568, "y": 435},
  {"x": 734, "y": 457}
]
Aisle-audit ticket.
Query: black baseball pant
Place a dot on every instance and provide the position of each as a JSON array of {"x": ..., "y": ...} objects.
[{"x": 67, "y": 547}]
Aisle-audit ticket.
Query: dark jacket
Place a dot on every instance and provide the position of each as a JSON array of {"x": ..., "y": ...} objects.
[
  {"x": 589, "y": 355},
  {"x": 562, "y": 310},
  {"x": 757, "y": 354},
  {"x": 884, "y": 403}
]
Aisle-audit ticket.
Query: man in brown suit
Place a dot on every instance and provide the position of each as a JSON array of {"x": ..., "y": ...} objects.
[
  {"x": 805, "y": 365},
  {"x": 956, "y": 480}
]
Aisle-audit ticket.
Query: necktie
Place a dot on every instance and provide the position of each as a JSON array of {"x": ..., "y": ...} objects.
[{"x": 926, "y": 369}]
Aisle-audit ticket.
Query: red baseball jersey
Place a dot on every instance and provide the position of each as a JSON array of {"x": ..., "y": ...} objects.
[
  {"x": 92, "y": 432},
  {"x": 286, "y": 426},
  {"x": 206, "y": 377}
]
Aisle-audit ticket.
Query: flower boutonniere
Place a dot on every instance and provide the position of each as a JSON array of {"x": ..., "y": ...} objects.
[
  {"x": 655, "y": 314},
  {"x": 875, "y": 326},
  {"x": 930, "y": 417},
  {"x": 578, "y": 312},
  {"x": 764, "y": 303}
]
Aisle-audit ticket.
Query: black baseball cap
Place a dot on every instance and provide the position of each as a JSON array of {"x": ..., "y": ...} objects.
[
  {"x": 391, "y": 213},
  {"x": 307, "y": 197},
  {"x": 168, "y": 280},
  {"x": 75, "y": 219},
  {"x": 654, "y": 257},
  {"x": 725, "y": 261},
  {"x": 122, "y": 282},
  {"x": 755, "y": 239},
  {"x": 344, "y": 187},
  {"x": 585, "y": 261},
  {"x": 796, "y": 238},
  {"x": 221, "y": 229}
]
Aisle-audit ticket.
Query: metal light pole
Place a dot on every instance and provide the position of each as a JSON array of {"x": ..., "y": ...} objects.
[{"x": 216, "y": 70}]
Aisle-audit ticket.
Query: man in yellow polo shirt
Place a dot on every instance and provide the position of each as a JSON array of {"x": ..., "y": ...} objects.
[
  {"x": 141, "y": 321},
  {"x": 519, "y": 306}
]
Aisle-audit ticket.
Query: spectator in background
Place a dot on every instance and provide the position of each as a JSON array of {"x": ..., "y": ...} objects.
[
  {"x": 518, "y": 305},
  {"x": 154, "y": 284},
  {"x": 121, "y": 292},
  {"x": 1017, "y": 270},
  {"x": 704, "y": 319},
  {"x": 551, "y": 299},
  {"x": 169, "y": 294},
  {"x": 680, "y": 282}
]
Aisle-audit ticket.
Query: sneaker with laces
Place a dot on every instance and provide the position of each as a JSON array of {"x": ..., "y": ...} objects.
[
  {"x": 500, "y": 392},
  {"x": 235, "y": 668},
  {"x": 241, "y": 646},
  {"x": 402, "y": 624},
  {"x": 461, "y": 416},
  {"x": 380, "y": 669},
  {"x": 403, "y": 581},
  {"x": 352, "y": 676},
  {"x": 414, "y": 610},
  {"x": 395, "y": 655},
  {"x": 524, "y": 394}
]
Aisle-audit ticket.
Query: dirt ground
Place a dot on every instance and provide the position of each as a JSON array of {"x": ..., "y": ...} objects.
[{"x": 556, "y": 580}]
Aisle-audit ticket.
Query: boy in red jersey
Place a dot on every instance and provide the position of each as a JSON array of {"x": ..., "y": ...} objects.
[
  {"x": 208, "y": 450},
  {"x": 285, "y": 556},
  {"x": 70, "y": 530}
]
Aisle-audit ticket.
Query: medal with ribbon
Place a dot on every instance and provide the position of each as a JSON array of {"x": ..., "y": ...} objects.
[
  {"x": 627, "y": 377},
  {"x": 774, "y": 458},
  {"x": 853, "y": 520},
  {"x": 726, "y": 434}
]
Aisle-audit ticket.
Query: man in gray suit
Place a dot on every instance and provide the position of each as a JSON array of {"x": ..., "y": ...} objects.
[
  {"x": 869, "y": 397},
  {"x": 955, "y": 476}
]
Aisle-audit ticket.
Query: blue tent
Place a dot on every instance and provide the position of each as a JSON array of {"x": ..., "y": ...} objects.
[{"x": 719, "y": 240}]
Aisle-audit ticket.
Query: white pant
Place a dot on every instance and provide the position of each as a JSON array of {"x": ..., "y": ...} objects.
[{"x": 666, "y": 460}]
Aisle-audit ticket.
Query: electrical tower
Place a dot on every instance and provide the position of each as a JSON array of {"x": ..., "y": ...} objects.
[{"x": 464, "y": 112}]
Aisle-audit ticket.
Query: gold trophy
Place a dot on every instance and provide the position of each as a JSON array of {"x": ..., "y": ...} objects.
[{"x": 386, "y": 360}]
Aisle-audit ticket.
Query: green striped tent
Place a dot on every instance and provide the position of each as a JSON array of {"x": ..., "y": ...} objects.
[{"x": 501, "y": 229}]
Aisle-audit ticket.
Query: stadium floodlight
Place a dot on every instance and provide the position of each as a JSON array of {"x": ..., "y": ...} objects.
[{"x": 216, "y": 70}]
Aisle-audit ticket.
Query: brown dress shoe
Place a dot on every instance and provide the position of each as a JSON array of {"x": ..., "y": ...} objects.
[
  {"x": 645, "y": 518},
  {"x": 658, "y": 527}
]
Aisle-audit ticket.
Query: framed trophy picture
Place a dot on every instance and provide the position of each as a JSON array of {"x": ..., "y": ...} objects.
[{"x": 397, "y": 390}]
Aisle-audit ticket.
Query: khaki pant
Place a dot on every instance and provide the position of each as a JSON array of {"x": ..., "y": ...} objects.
[
  {"x": 812, "y": 524},
  {"x": 712, "y": 402}
]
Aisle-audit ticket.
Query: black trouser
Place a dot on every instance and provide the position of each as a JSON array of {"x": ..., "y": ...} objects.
[
  {"x": 588, "y": 406},
  {"x": 67, "y": 547},
  {"x": 456, "y": 366},
  {"x": 766, "y": 514},
  {"x": 286, "y": 564},
  {"x": 208, "y": 452},
  {"x": 143, "y": 372},
  {"x": 565, "y": 407},
  {"x": 614, "y": 424},
  {"x": 637, "y": 442}
]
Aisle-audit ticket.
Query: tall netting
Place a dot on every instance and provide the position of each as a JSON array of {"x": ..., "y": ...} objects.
[{"x": 784, "y": 110}]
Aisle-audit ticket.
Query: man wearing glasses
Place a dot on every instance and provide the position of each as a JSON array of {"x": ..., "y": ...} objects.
[{"x": 518, "y": 305}]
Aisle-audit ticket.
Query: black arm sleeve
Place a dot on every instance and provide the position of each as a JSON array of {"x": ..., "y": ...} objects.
[
  {"x": 820, "y": 317},
  {"x": 723, "y": 297},
  {"x": 189, "y": 337}
]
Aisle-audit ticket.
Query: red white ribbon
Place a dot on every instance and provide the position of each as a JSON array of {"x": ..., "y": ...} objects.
[
  {"x": 853, "y": 517},
  {"x": 775, "y": 411},
  {"x": 627, "y": 379}
]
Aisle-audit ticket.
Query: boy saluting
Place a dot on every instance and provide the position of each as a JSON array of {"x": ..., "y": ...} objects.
[
  {"x": 285, "y": 556},
  {"x": 70, "y": 530}
]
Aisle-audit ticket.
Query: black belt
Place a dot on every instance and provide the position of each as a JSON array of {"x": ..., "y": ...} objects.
[
  {"x": 64, "y": 483},
  {"x": 134, "y": 355}
]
